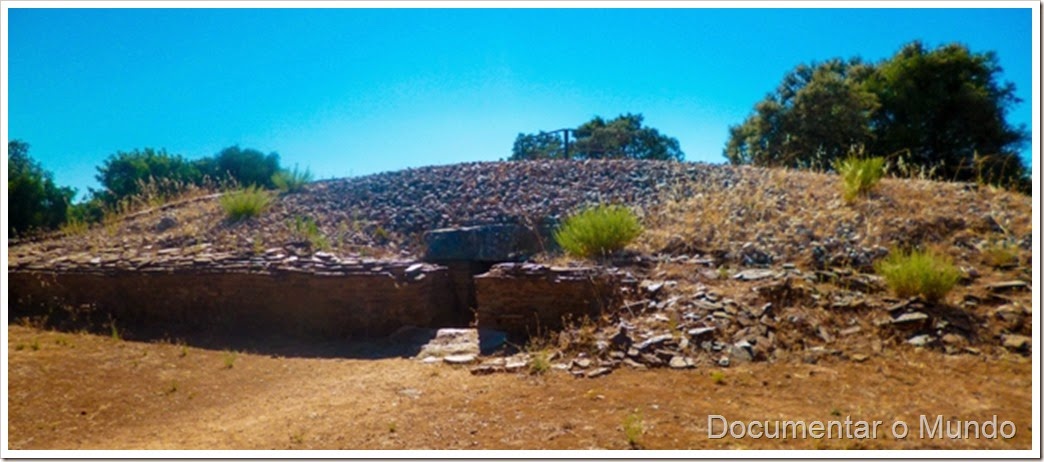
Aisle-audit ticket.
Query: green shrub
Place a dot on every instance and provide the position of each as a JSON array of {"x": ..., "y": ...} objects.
[
  {"x": 598, "y": 231},
  {"x": 925, "y": 273},
  {"x": 718, "y": 377},
  {"x": 633, "y": 429},
  {"x": 307, "y": 229},
  {"x": 540, "y": 363},
  {"x": 292, "y": 180},
  {"x": 244, "y": 203},
  {"x": 859, "y": 175}
]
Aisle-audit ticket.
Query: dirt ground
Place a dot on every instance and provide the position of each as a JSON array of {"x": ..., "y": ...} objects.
[{"x": 88, "y": 391}]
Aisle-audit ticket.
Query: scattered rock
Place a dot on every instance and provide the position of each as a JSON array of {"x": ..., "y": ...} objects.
[
  {"x": 651, "y": 287},
  {"x": 849, "y": 331},
  {"x": 1009, "y": 313},
  {"x": 698, "y": 332},
  {"x": 920, "y": 340},
  {"x": 457, "y": 343},
  {"x": 459, "y": 359},
  {"x": 910, "y": 320},
  {"x": 1007, "y": 286},
  {"x": 165, "y": 223},
  {"x": 654, "y": 341},
  {"x": 1020, "y": 343},
  {"x": 742, "y": 350},
  {"x": 680, "y": 362},
  {"x": 754, "y": 274}
]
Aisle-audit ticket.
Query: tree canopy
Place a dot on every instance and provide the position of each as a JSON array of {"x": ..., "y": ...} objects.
[
  {"x": 123, "y": 174},
  {"x": 621, "y": 138},
  {"x": 34, "y": 201},
  {"x": 246, "y": 166},
  {"x": 941, "y": 109}
]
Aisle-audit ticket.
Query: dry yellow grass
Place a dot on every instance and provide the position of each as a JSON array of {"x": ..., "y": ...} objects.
[{"x": 788, "y": 210}]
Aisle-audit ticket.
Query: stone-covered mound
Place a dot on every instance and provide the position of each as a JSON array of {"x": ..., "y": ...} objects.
[
  {"x": 740, "y": 262},
  {"x": 387, "y": 213}
]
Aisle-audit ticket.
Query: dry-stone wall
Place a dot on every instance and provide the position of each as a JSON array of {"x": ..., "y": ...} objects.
[
  {"x": 313, "y": 295},
  {"x": 524, "y": 299},
  {"x": 327, "y": 299}
]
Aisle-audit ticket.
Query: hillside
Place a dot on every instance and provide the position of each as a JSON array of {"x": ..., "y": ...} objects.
[
  {"x": 706, "y": 226},
  {"x": 689, "y": 208},
  {"x": 755, "y": 278}
]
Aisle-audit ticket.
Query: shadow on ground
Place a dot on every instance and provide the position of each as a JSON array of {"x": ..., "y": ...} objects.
[{"x": 406, "y": 342}]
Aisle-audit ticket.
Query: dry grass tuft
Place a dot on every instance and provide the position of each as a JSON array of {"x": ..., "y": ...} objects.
[{"x": 924, "y": 273}]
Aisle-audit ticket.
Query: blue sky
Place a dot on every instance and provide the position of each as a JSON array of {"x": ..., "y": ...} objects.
[{"x": 351, "y": 92}]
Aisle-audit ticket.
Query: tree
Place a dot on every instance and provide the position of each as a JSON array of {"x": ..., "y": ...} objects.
[
  {"x": 945, "y": 108},
  {"x": 124, "y": 174},
  {"x": 34, "y": 201},
  {"x": 541, "y": 145},
  {"x": 621, "y": 138},
  {"x": 941, "y": 109},
  {"x": 246, "y": 166},
  {"x": 817, "y": 114}
]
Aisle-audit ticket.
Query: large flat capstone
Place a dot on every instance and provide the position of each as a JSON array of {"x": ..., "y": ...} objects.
[{"x": 489, "y": 243}]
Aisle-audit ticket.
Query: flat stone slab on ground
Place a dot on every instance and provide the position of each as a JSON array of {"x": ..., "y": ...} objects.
[{"x": 459, "y": 342}]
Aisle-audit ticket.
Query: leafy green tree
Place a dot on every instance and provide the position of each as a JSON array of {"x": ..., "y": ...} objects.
[
  {"x": 34, "y": 201},
  {"x": 940, "y": 109},
  {"x": 541, "y": 145},
  {"x": 945, "y": 108},
  {"x": 624, "y": 137},
  {"x": 621, "y": 138},
  {"x": 814, "y": 118},
  {"x": 124, "y": 174},
  {"x": 246, "y": 166}
]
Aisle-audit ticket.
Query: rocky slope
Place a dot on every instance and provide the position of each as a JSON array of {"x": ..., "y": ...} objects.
[{"x": 736, "y": 262}]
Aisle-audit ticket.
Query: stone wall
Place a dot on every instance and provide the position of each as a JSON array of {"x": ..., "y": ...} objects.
[
  {"x": 524, "y": 299},
  {"x": 317, "y": 296},
  {"x": 372, "y": 301}
]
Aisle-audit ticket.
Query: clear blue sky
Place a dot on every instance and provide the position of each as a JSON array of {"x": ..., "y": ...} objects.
[{"x": 351, "y": 92}]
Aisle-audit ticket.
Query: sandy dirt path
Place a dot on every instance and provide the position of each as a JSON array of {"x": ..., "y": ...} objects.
[{"x": 82, "y": 391}]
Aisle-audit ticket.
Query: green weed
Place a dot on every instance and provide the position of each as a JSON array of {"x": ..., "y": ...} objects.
[
  {"x": 245, "y": 203},
  {"x": 540, "y": 362},
  {"x": 598, "y": 231},
  {"x": 633, "y": 429},
  {"x": 718, "y": 377},
  {"x": 291, "y": 181},
  {"x": 924, "y": 273},
  {"x": 307, "y": 229},
  {"x": 859, "y": 175},
  {"x": 229, "y": 359},
  {"x": 381, "y": 234}
]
